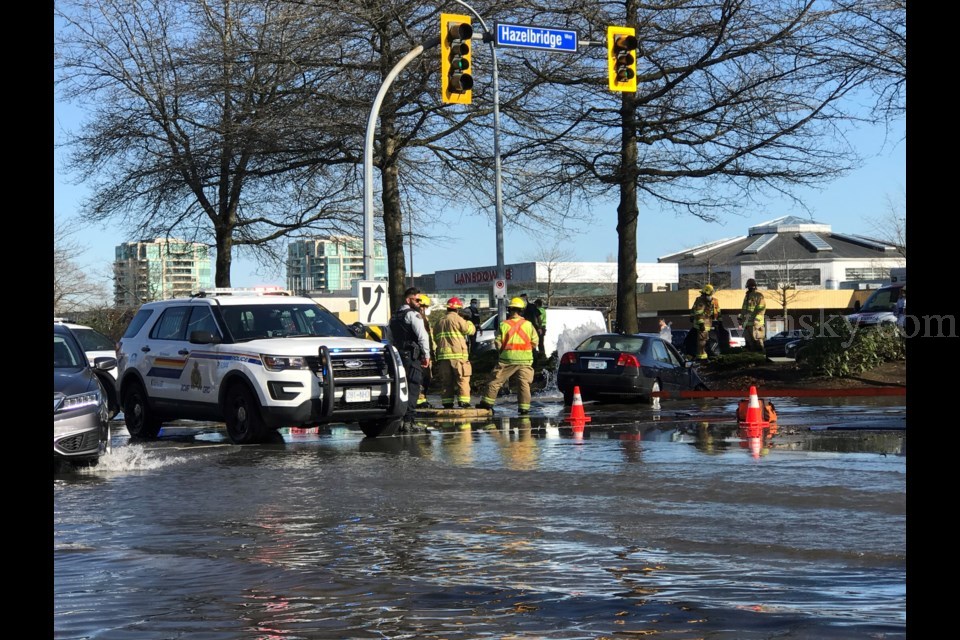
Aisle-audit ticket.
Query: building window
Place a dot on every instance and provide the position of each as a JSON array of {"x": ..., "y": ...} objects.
[
  {"x": 771, "y": 279},
  {"x": 697, "y": 280},
  {"x": 867, "y": 273}
]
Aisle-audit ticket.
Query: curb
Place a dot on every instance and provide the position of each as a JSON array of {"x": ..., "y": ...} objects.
[{"x": 787, "y": 393}]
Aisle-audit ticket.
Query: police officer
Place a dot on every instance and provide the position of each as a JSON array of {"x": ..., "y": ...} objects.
[
  {"x": 705, "y": 311},
  {"x": 516, "y": 339},
  {"x": 751, "y": 317},
  {"x": 474, "y": 312},
  {"x": 413, "y": 342}
]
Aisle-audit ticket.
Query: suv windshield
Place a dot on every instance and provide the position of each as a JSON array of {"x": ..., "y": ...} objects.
[
  {"x": 882, "y": 300},
  {"x": 256, "y": 321}
]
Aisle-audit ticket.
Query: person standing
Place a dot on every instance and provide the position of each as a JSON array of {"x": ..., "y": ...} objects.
[
  {"x": 901, "y": 311},
  {"x": 452, "y": 355},
  {"x": 474, "y": 316},
  {"x": 425, "y": 386},
  {"x": 515, "y": 340},
  {"x": 705, "y": 311},
  {"x": 751, "y": 317},
  {"x": 411, "y": 339},
  {"x": 542, "y": 311},
  {"x": 666, "y": 333},
  {"x": 532, "y": 314}
]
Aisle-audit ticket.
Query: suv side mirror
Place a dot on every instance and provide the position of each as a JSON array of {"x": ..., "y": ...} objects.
[
  {"x": 204, "y": 337},
  {"x": 856, "y": 306}
]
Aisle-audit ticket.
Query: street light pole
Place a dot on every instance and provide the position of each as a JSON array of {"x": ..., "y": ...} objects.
[
  {"x": 368, "y": 154},
  {"x": 498, "y": 197}
]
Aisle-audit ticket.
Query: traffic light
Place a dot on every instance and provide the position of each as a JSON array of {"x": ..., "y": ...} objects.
[
  {"x": 622, "y": 58},
  {"x": 455, "y": 79}
]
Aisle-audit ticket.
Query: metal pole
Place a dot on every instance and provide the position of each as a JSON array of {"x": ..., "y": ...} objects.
[
  {"x": 498, "y": 198},
  {"x": 368, "y": 155}
]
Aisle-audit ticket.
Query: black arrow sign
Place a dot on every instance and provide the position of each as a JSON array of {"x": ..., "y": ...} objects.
[{"x": 367, "y": 294}]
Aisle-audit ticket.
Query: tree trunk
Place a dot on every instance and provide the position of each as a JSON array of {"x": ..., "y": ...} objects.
[
  {"x": 224, "y": 236},
  {"x": 392, "y": 215}
]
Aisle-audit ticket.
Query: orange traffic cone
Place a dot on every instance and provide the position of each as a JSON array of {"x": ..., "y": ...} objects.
[
  {"x": 577, "y": 414},
  {"x": 754, "y": 412}
]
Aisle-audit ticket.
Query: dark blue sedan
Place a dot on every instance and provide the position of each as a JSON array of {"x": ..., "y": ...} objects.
[{"x": 616, "y": 367}]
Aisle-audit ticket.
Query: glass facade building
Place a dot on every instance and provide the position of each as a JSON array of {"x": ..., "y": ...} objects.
[
  {"x": 330, "y": 263},
  {"x": 159, "y": 269}
]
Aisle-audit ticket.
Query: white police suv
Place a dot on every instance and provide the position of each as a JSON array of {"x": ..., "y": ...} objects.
[{"x": 258, "y": 362}]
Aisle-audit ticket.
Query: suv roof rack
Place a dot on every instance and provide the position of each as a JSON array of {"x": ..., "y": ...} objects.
[{"x": 240, "y": 291}]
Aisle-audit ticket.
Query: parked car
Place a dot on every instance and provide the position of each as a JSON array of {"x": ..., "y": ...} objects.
[
  {"x": 613, "y": 366},
  {"x": 792, "y": 349},
  {"x": 81, "y": 411},
  {"x": 257, "y": 362},
  {"x": 94, "y": 343},
  {"x": 774, "y": 346},
  {"x": 732, "y": 339}
]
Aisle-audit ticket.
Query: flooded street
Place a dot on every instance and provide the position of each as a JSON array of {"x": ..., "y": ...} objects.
[{"x": 646, "y": 523}]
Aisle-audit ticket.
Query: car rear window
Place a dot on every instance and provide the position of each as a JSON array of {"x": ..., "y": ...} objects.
[
  {"x": 92, "y": 340},
  {"x": 614, "y": 343}
]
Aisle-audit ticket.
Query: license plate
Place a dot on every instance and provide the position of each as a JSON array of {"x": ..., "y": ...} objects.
[
  {"x": 356, "y": 395},
  {"x": 596, "y": 364}
]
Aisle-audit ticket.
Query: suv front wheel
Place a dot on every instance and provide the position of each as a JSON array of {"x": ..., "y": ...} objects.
[
  {"x": 241, "y": 412},
  {"x": 137, "y": 415}
]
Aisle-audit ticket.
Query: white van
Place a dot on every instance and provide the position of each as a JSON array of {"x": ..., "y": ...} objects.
[
  {"x": 566, "y": 328},
  {"x": 880, "y": 307}
]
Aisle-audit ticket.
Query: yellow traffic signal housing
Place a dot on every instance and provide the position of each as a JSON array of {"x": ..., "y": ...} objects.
[
  {"x": 622, "y": 58},
  {"x": 456, "y": 80}
]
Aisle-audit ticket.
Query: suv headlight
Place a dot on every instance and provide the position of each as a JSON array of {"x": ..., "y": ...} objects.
[
  {"x": 284, "y": 363},
  {"x": 79, "y": 401}
]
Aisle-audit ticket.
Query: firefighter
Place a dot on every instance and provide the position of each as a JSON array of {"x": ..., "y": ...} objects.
[
  {"x": 516, "y": 340},
  {"x": 705, "y": 311},
  {"x": 751, "y": 317},
  {"x": 452, "y": 355}
]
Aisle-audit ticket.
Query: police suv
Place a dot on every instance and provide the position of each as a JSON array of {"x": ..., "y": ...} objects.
[{"x": 257, "y": 361}]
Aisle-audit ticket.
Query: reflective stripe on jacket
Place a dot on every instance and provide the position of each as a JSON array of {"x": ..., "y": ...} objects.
[
  {"x": 516, "y": 340},
  {"x": 705, "y": 311},
  {"x": 451, "y": 337},
  {"x": 753, "y": 307}
]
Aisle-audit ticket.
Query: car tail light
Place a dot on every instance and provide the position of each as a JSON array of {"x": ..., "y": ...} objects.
[
  {"x": 733, "y": 342},
  {"x": 569, "y": 358},
  {"x": 628, "y": 360}
]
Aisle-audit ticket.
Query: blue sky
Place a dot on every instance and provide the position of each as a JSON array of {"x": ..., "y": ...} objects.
[{"x": 850, "y": 204}]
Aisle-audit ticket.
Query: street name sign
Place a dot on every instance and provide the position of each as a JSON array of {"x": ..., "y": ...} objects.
[{"x": 529, "y": 37}]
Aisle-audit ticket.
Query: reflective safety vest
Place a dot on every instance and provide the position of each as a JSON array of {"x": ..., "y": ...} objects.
[{"x": 516, "y": 341}]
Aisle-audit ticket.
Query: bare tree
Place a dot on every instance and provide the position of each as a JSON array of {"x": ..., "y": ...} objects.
[
  {"x": 736, "y": 100},
  {"x": 553, "y": 254},
  {"x": 781, "y": 277},
  {"x": 201, "y": 120},
  {"x": 73, "y": 289},
  {"x": 891, "y": 226}
]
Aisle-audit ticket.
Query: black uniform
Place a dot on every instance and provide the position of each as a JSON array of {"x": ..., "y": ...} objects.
[{"x": 408, "y": 344}]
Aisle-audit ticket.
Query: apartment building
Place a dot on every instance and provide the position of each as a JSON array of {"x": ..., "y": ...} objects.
[
  {"x": 159, "y": 269},
  {"x": 330, "y": 263}
]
